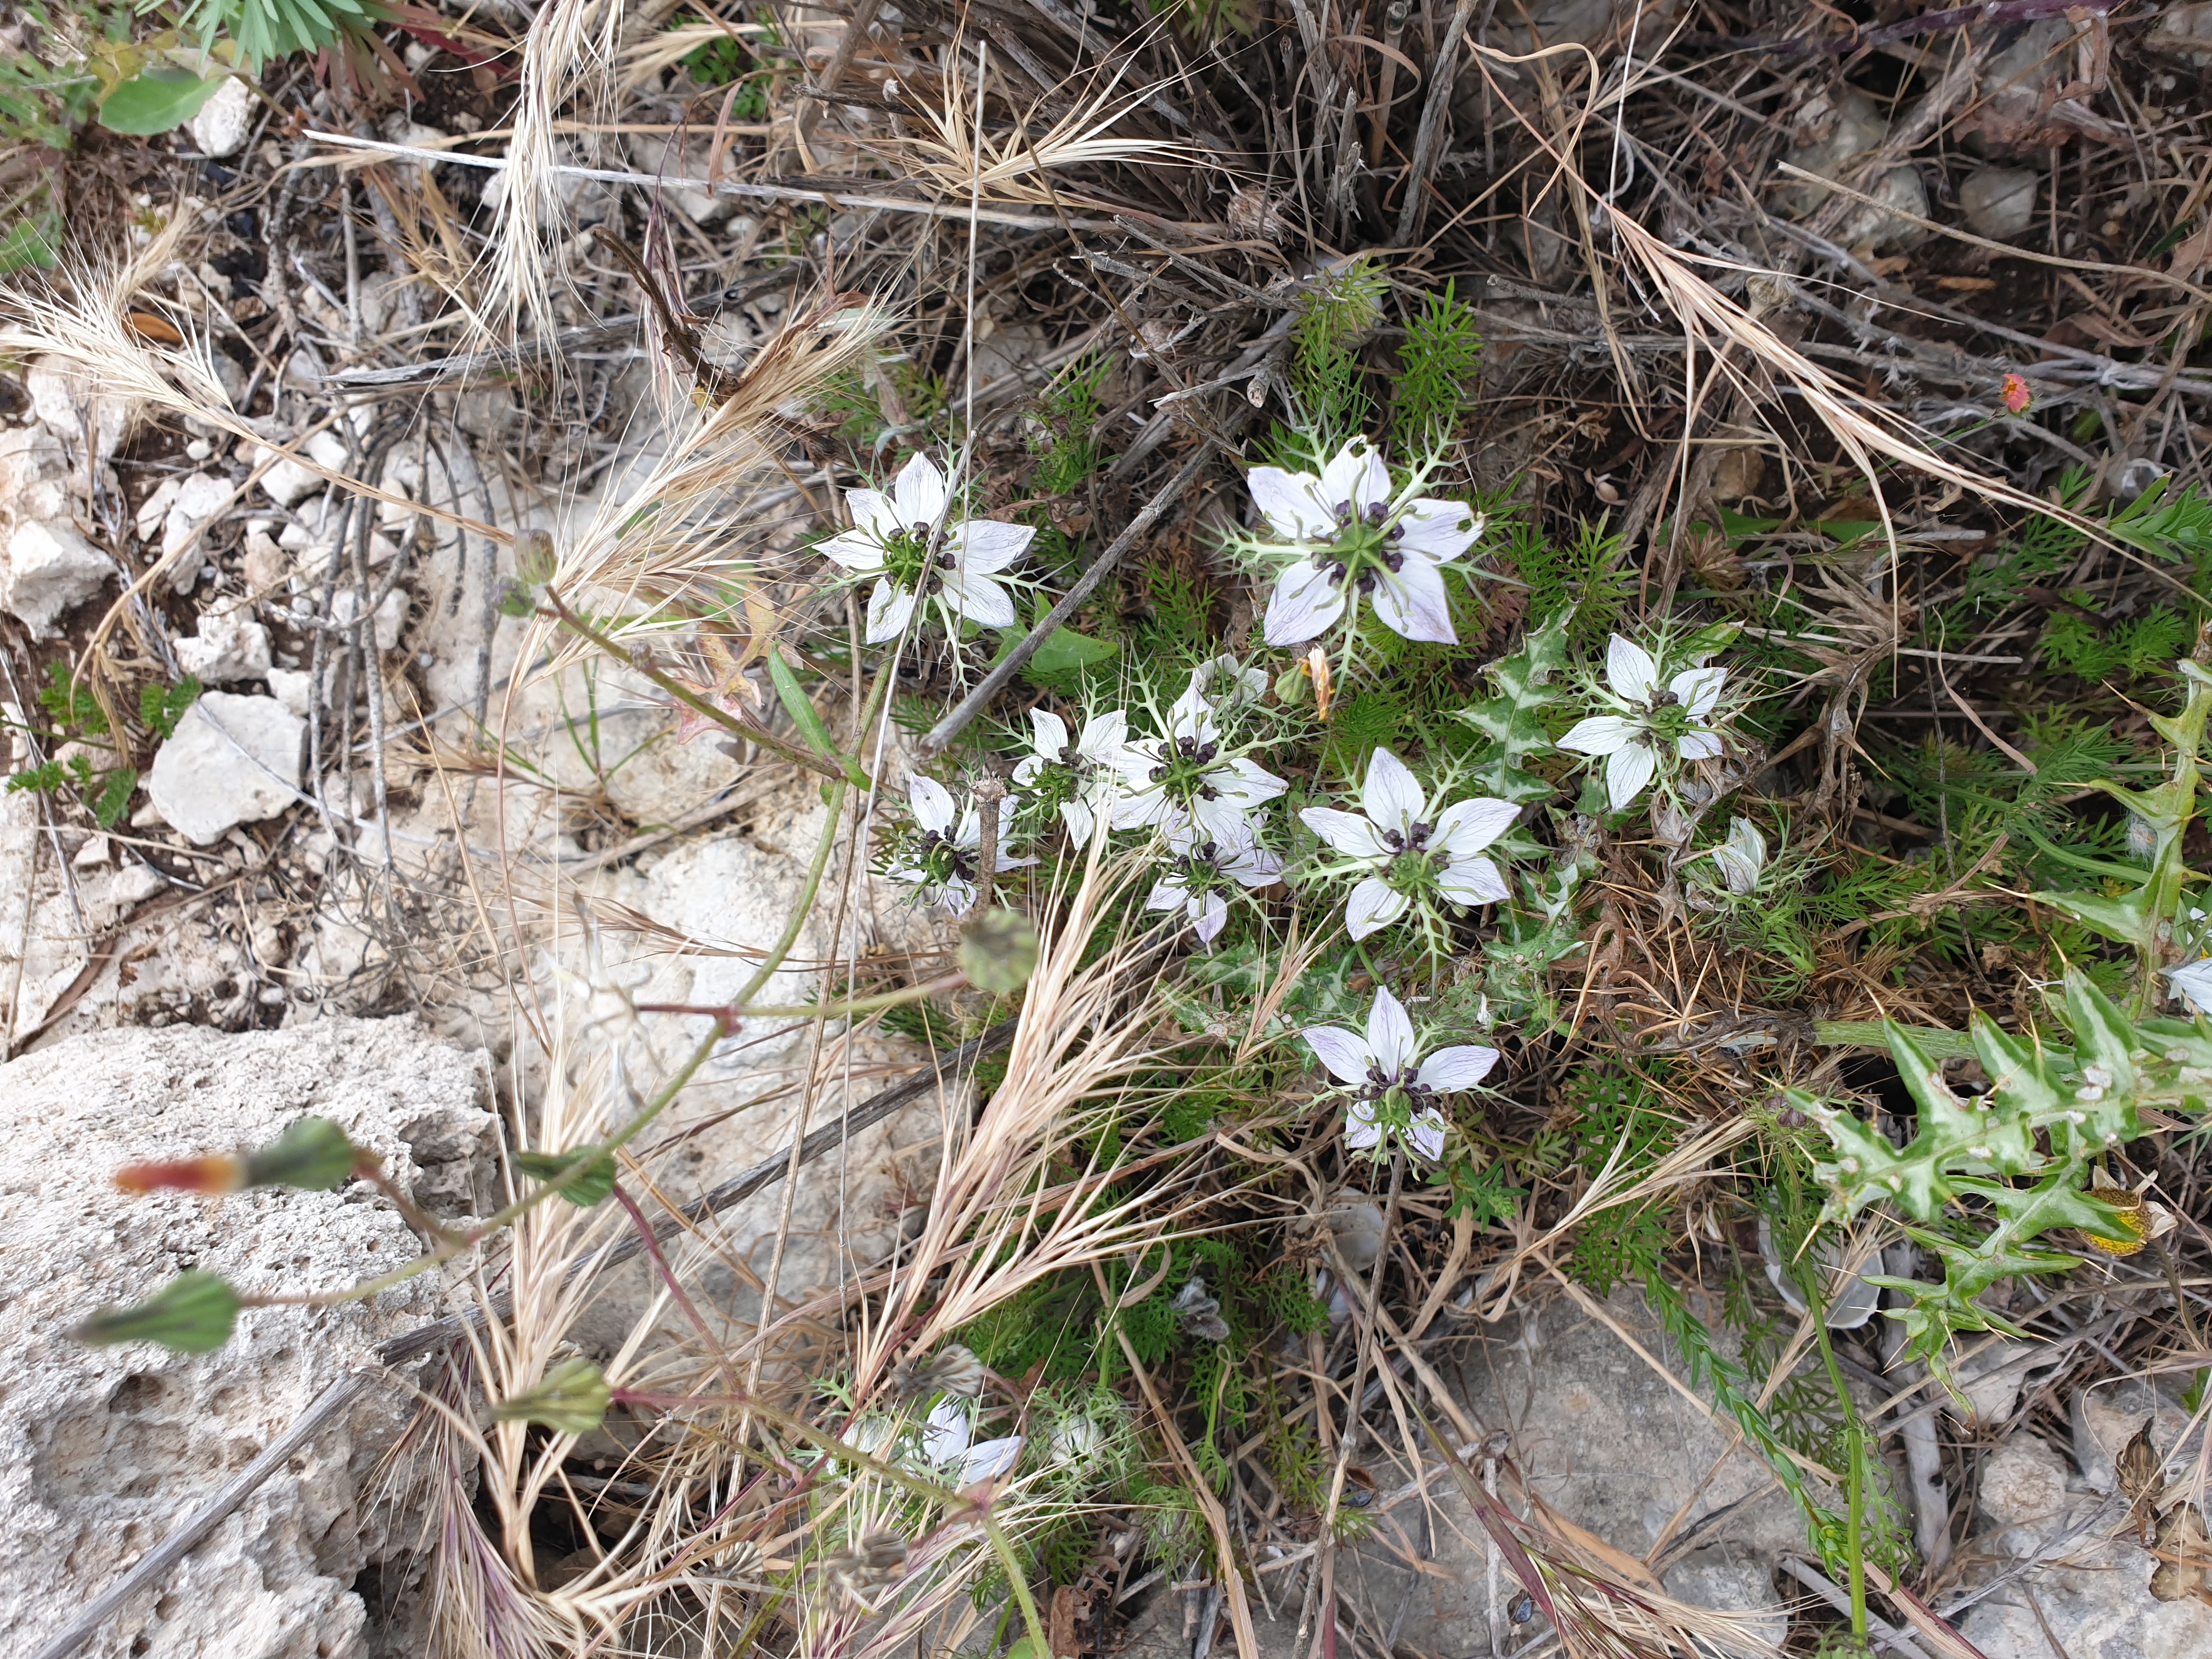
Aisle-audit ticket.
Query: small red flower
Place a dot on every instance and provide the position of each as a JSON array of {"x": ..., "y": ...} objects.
[
  {"x": 2017, "y": 394},
  {"x": 192, "y": 1174}
]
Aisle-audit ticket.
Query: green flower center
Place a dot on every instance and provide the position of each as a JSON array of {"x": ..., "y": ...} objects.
[
  {"x": 1670, "y": 721},
  {"x": 1364, "y": 550},
  {"x": 1414, "y": 874},
  {"x": 907, "y": 558},
  {"x": 1183, "y": 773},
  {"x": 942, "y": 858}
]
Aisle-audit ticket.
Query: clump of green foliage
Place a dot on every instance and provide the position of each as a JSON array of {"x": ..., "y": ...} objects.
[
  {"x": 1436, "y": 366},
  {"x": 76, "y": 719}
]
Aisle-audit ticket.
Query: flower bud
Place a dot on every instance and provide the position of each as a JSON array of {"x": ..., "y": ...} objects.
[
  {"x": 313, "y": 1154},
  {"x": 193, "y": 1313},
  {"x": 572, "y": 1399},
  {"x": 592, "y": 1186},
  {"x": 999, "y": 951}
]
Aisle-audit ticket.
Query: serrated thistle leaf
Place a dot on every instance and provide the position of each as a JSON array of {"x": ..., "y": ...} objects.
[{"x": 1512, "y": 720}]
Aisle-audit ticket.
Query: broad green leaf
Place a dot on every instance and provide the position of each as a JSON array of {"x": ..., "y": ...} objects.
[
  {"x": 193, "y": 1313},
  {"x": 1064, "y": 651},
  {"x": 157, "y": 99}
]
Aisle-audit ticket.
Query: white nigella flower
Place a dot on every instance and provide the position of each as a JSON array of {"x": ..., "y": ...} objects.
[
  {"x": 1345, "y": 535},
  {"x": 940, "y": 861},
  {"x": 2193, "y": 981},
  {"x": 918, "y": 554},
  {"x": 1412, "y": 860},
  {"x": 1204, "y": 872},
  {"x": 948, "y": 1441},
  {"x": 1652, "y": 722},
  {"x": 1394, "y": 1090},
  {"x": 1078, "y": 778},
  {"x": 1186, "y": 773},
  {"x": 1741, "y": 858}
]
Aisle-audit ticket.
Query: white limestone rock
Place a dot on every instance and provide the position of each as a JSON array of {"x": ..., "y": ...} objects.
[
  {"x": 73, "y": 412},
  {"x": 225, "y": 121},
  {"x": 102, "y": 1451},
  {"x": 1830, "y": 132},
  {"x": 1999, "y": 202},
  {"x": 234, "y": 759},
  {"x": 229, "y": 646},
  {"x": 49, "y": 569},
  {"x": 288, "y": 482}
]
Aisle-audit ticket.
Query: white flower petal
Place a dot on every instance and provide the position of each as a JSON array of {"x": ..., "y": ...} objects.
[
  {"x": 871, "y": 510},
  {"x": 1255, "y": 866},
  {"x": 1473, "y": 881},
  {"x": 890, "y": 611},
  {"x": 1449, "y": 1070},
  {"x": 979, "y": 599},
  {"x": 1413, "y": 603},
  {"x": 981, "y": 546},
  {"x": 1426, "y": 1134},
  {"x": 989, "y": 1459},
  {"x": 1629, "y": 671},
  {"x": 2192, "y": 981},
  {"x": 1209, "y": 914},
  {"x": 1221, "y": 820},
  {"x": 1104, "y": 735},
  {"x": 1348, "y": 832},
  {"x": 1699, "y": 745},
  {"x": 1243, "y": 781},
  {"x": 1374, "y": 903},
  {"x": 1344, "y": 1053},
  {"x": 1082, "y": 822},
  {"x": 1306, "y": 604},
  {"x": 1361, "y": 1132},
  {"x": 1628, "y": 769},
  {"x": 859, "y": 550},
  {"x": 1392, "y": 795},
  {"x": 1390, "y": 1032},
  {"x": 918, "y": 493},
  {"x": 1443, "y": 530},
  {"x": 1136, "y": 810},
  {"x": 1601, "y": 734},
  {"x": 1291, "y": 503},
  {"x": 931, "y": 802},
  {"x": 947, "y": 1434},
  {"x": 1167, "y": 893},
  {"x": 1699, "y": 689},
  {"x": 1051, "y": 738},
  {"x": 1466, "y": 826},
  {"x": 1355, "y": 474}
]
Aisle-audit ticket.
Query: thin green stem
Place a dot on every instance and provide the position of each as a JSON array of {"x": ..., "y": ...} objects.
[
  {"x": 804, "y": 907},
  {"x": 1854, "y": 1453},
  {"x": 691, "y": 699}
]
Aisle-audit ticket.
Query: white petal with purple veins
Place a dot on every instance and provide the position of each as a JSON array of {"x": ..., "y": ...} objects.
[
  {"x": 1466, "y": 826},
  {"x": 1344, "y": 1053},
  {"x": 1699, "y": 745},
  {"x": 1306, "y": 604},
  {"x": 857, "y": 550},
  {"x": 981, "y": 546},
  {"x": 1449, "y": 1070},
  {"x": 1392, "y": 794},
  {"x": 1601, "y": 734},
  {"x": 889, "y": 613},
  {"x": 1389, "y": 1032},
  {"x": 871, "y": 510},
  {"x": 1374, "y": 903},
  {"x": 931, "y": 802},
  {"x": 1356, "y": 474},
  {"x": 1412, "y": 603},
  {"x": 1209, "y": 914},
  {"x": 1626, "y": 771},
  {"x": 1291, "y": 503},
  {"x": 1443, "y": 530},
  {"x": 1629, "y": 671},
  {"x": 1361, "y": 1132},
  {"x": 1348, "y": 832},
  {"x": 1427, "y": 1135},
  {"x": 979, "y": 598},
  {"x": 918, "y": 493},
  {"x": 1051, "y": 733},
  {"x": 1473, "y": 881}
]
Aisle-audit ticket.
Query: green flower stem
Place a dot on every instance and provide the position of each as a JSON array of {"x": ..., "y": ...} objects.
[
  {"x": 835, "y": 802},
  {"x": 1854, "y": 1455},
  {"x": 683, "y": 694}
]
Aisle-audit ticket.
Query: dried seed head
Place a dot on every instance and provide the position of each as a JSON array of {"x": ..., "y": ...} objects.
[
  {"x": 1199, "y": 1313},
  {"x": 954, "y": 1371},
  {"x": 1256, "y": 214},
  {"x": 879, "y": 1559}
]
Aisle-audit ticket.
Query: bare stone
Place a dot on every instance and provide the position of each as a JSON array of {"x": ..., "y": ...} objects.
[
  {"x": 234, "y": 759},
  {"x": 50, "y": 567},
  {"x": 102, "y": 1451},
  {"x": 1999, "y": 202},
  {"x": 225, "y": 121},
  {"x": 229, "y": 646},
  {"x": 1833, "y": 131},
  {"x": 288, "y": 482}
]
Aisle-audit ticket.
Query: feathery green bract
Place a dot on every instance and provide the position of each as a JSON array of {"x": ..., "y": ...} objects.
[
  {"x": 1436, "y": 366},
  {"x": 1512, "y": 720}
]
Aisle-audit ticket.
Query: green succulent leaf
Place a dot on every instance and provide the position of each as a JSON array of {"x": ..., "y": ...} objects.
[{"x": 193, "y": 1313}]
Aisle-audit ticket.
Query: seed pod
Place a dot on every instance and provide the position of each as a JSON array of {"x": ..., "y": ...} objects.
[{"x": 879, "y": 1559}]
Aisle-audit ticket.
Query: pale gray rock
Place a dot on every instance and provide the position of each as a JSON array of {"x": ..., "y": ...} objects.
[
  {"x": 1729, "y": 1580},
  {"x": 2091, "y": 1587},
  {"x": 2184, "y": 31},
  {"x": 1999, "y": 202},
  {"x": 288, "y": 482},
  {"x": 49, "y": 569},
  {"x": 73, "y": 412},
  {"x": 1831, "y": 130},
  {"x": 225, "y": 120},
  {"x": 102, "y": 1451},
  {"x": 229, "y": 646},
  {"x": 234, "y": 759}
]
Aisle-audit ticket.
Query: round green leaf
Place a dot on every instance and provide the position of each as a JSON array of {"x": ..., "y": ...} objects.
[{"x": 157, "y": 99}]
